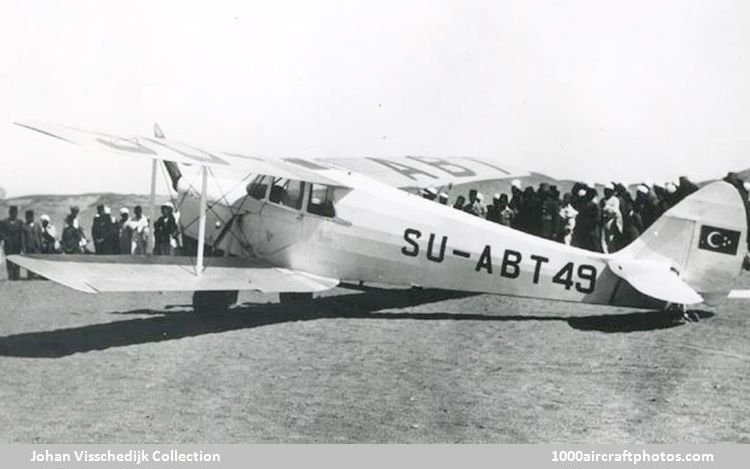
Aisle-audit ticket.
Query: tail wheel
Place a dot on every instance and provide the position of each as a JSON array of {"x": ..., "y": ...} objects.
[{"x": 214, "y": 302}]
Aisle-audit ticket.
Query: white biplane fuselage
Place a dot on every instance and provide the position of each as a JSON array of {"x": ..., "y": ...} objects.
[
  {"x": 388, "y": 236},
  {"x": 384, "y": 235}
]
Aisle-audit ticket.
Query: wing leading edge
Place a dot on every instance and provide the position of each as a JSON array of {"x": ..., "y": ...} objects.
[{"x": 100, "y": 274}]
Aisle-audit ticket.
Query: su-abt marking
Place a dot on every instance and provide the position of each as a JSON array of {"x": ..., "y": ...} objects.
[{"x": 582, "y": 277}]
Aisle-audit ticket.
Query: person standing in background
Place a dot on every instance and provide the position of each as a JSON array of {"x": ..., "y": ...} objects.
[
  {"x": 111, "y": 234},
  {"x": 32, "y": 239},
  {"x": 568, "y": 216},
  {"x": 32, "y": 234},
  {"x": 125, "y": 232},
  {"x": 50, "y": 245},
  {"x": 459, "y": 204},
  {"x": 550, "y": 215},
  {"x": 507, "y": 214},
  {"x": 99, "y": 230},
  {"x": 517, "y": 205},
  {"x": 470, "y": 203},
  {"x": 165, "y": 231},
  {"x": 477, "y": 207},
  {"x": 140, "y": 231},
  {"x": 12, "y": 238},
  {"x": 587, "y": 231},
  {"x": 493, "y": 210},
  {"x": 532, "y": 212},
  {"x": 73, "y": 239}
]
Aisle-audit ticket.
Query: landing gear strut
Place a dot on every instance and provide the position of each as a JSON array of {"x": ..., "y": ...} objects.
[{"x": 213, "y": 302}]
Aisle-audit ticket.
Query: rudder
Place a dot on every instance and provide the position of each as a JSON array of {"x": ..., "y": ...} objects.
[{"x": 703, "y": 238}]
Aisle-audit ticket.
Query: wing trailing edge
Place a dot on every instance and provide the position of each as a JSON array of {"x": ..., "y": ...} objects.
[{"x": 100, "y": 274}]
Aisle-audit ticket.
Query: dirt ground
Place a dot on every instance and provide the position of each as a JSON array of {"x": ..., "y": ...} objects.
[{"x": 376, "y": 366}]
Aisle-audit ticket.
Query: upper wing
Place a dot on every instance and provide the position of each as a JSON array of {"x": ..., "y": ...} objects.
[
  {"x": 424, "y": 171},
  {"x": 401, "y": 172},
  {"x": 98, "y": 274},
  {"x": 171, "y": 150}
]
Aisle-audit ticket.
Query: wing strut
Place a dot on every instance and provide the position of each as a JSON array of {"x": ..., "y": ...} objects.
[
  {"x": 202, "y": 221},
  {"x": 154, "y": 166}
]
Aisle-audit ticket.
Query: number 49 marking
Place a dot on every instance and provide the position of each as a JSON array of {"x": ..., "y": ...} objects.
[{"x": 586, "y": 273}]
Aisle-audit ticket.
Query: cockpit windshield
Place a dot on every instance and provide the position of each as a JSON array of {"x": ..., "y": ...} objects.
[
  {"x": 287, "y": 192},
  {"x": 291, "y": 193},
  {"x": 258, "y": 188}
]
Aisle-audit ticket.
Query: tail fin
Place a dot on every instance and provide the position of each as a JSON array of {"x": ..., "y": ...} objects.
[{"x": 703, "y": 238}]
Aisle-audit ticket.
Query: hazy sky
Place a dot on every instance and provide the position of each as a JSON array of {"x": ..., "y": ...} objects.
[{"x": 598, "y": 90}]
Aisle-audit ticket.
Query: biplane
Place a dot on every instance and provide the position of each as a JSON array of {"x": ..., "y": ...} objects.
[{"x": 299, "y": 226}]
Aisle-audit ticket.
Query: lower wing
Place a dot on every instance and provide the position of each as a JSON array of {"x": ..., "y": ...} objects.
[{"x": 99, "y": 274}]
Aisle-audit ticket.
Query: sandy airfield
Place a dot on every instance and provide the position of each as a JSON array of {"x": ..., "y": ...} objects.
[{"x": 365, "y": 367}]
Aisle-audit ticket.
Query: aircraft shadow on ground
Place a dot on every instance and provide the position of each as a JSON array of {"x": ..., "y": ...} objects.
[{"x": 172, "y": 324}]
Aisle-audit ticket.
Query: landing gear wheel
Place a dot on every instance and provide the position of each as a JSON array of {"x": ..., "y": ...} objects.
[
  {"x": 691, "y": 316},
  {"x": 679, "y": 311},
  {"x": 213, "y": 302}
]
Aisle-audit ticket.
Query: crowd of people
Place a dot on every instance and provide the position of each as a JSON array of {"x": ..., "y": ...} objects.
[
  {"x": 585, "y": 218},
  {"x": 111, "y": 236}
]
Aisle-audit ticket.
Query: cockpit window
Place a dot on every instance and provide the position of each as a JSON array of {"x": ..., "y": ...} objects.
[
  {"x": 258, "y": 188},
  {"x": 320, "y": 201},
  {"x": 287, "y": 192}
]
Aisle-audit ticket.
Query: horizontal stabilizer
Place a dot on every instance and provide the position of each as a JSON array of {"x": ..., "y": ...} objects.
[
  {"x": 655, "y": 279},
  {"x": 97, "y": 274}
]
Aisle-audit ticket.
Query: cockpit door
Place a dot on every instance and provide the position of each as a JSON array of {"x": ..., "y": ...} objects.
[{"x": 281, "y": 218}]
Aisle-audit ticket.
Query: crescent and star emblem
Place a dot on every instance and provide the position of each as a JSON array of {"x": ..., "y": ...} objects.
[{"x": 710, "y": 239}]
